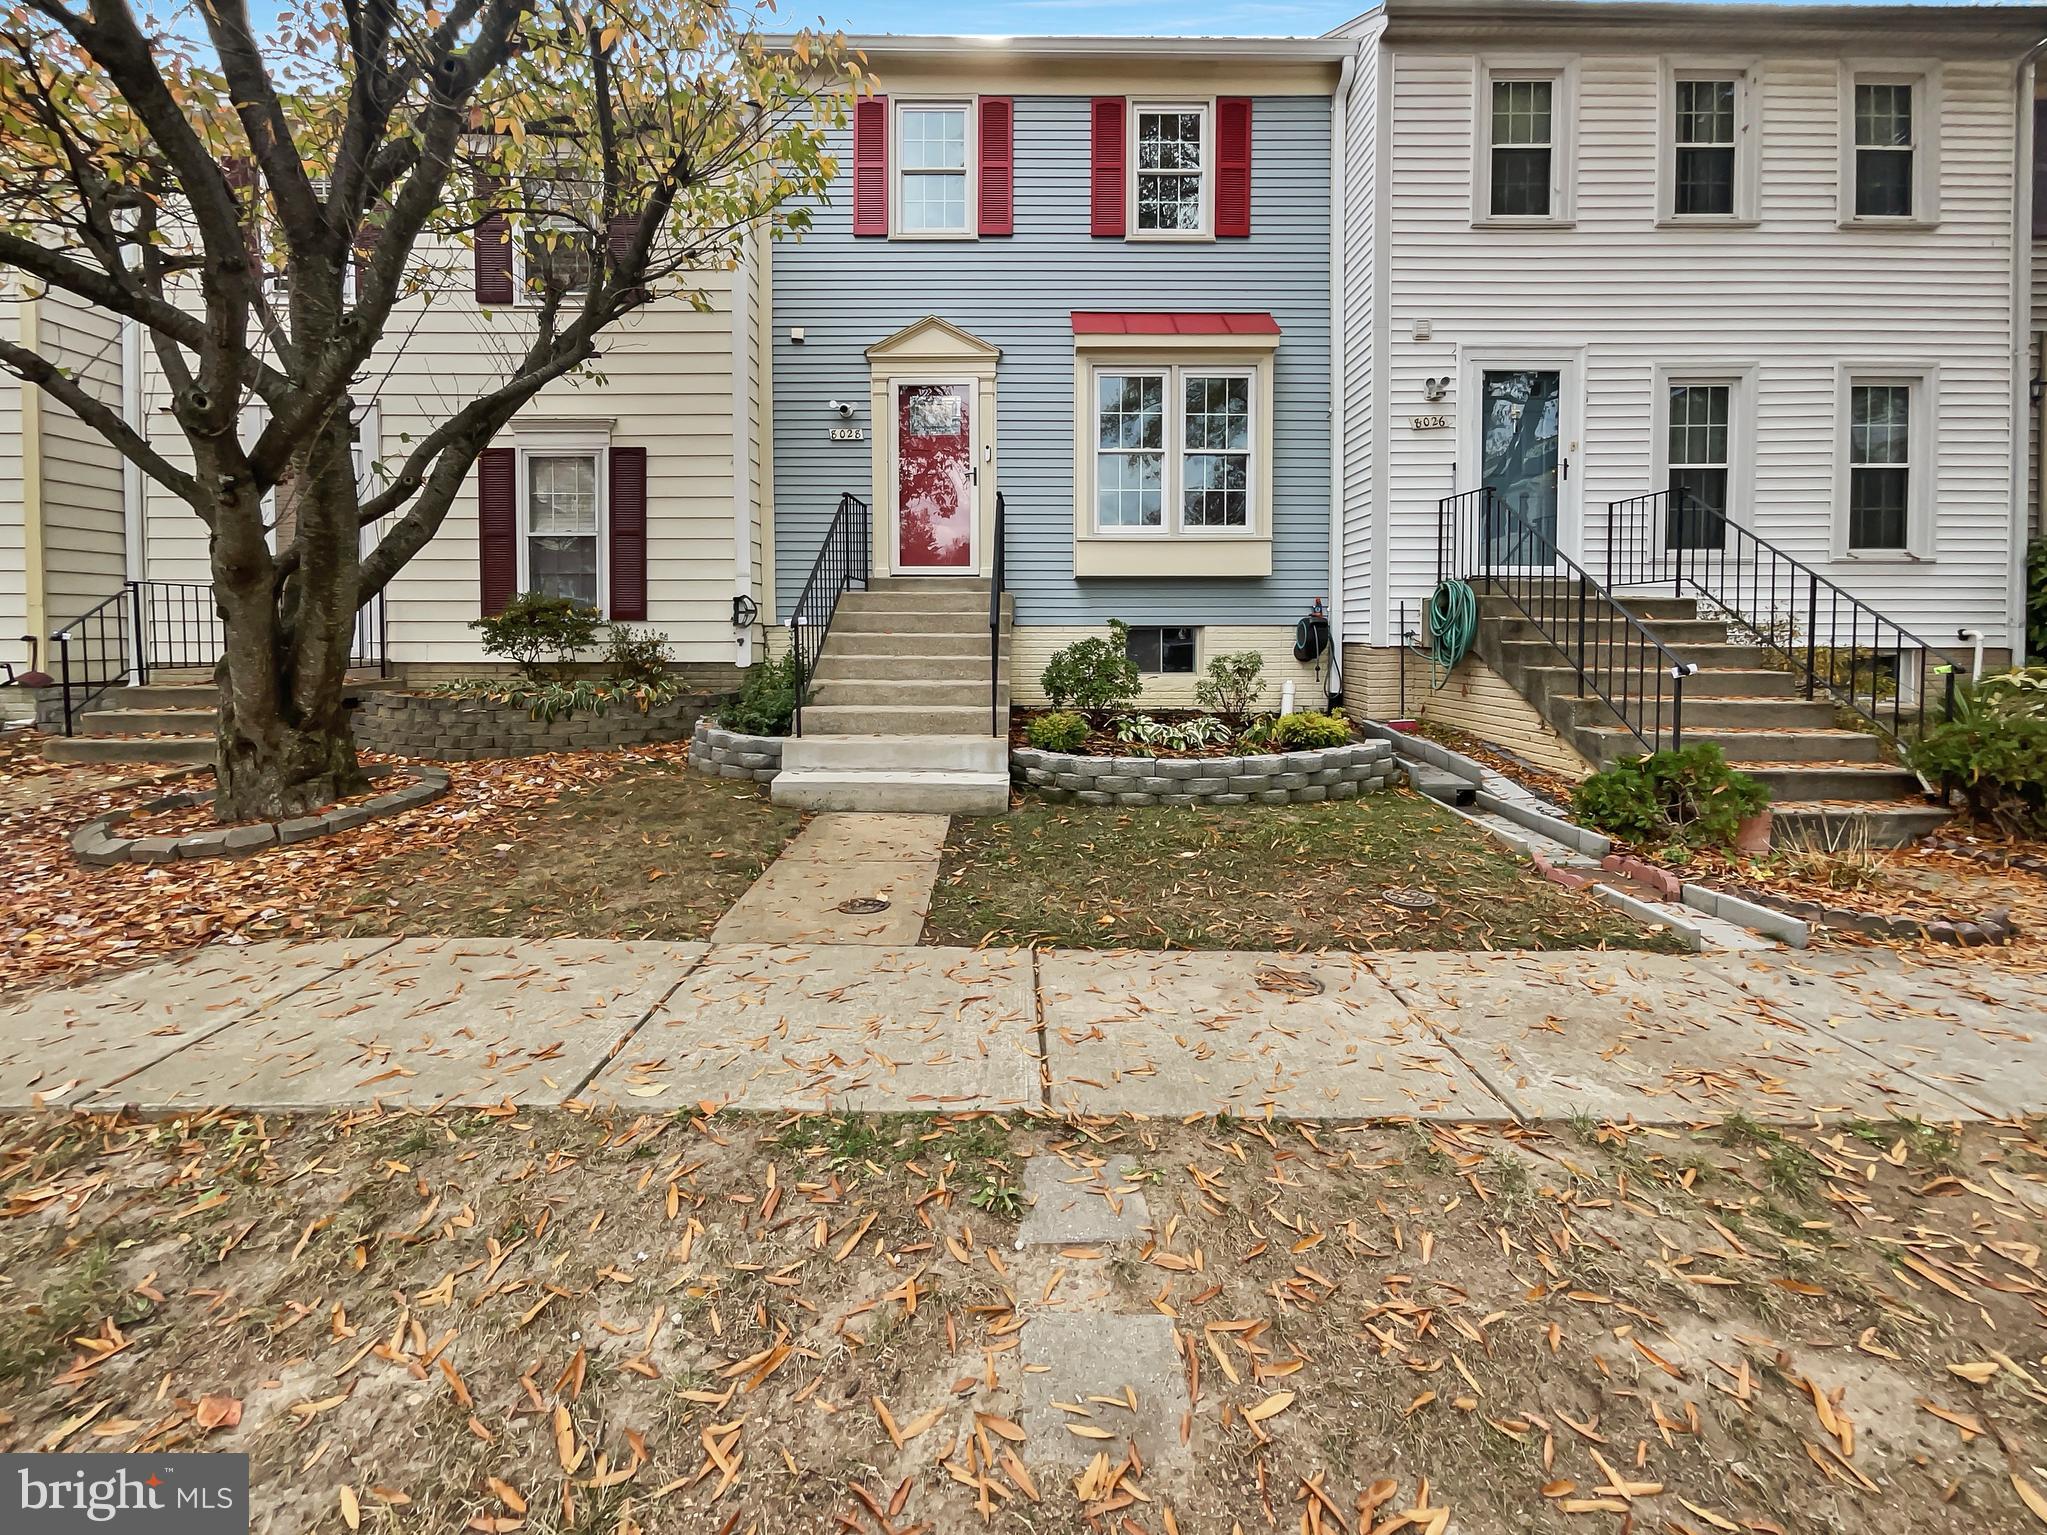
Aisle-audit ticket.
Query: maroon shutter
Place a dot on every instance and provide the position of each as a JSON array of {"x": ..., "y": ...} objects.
[
  {"x": 629, "y": 533},
  {"x": 493, "y": 250},
  {"x": 1106, "y": 115},
  {"x": 497, "y": 526},
  {"x": 870, "y": 166},
  {"x": 1233, "y": 166},
  {"x": 998, "y": 152},
  {"x": 2040, "y": 168}
]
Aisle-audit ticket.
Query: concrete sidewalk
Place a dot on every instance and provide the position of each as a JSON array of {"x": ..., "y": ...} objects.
[{"x": 429, "y": 1022}]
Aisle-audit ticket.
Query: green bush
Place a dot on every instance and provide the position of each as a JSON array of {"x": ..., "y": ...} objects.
[
  {"x": 2036, "y": 598},
  {"x": 635, "y": 655},
  {"x": 1690, "y": 797},
  {"x": 2022, "y": 690},
  {"x": 534, "y": 625},
  {"x": 1061, "y": 732},
  {"x": 1998, "y": 762},
  {"x": 1305, "y": 731},
  {"x": 1233, "y": 685},
  {"x": 766, "y": 699},
  {"x": 549, "y": 699},
  {"x": 1096, "y": 676}
]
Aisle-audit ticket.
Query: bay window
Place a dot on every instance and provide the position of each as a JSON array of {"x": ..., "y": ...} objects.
[{"x": 1173, "y": 450}]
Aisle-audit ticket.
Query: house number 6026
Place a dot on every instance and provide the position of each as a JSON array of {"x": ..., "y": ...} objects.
[{"x": 849, "y": 434}]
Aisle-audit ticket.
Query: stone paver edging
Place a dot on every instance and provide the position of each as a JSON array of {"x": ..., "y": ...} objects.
[
  {"x": 1992, "y": 927},
  {"x": 96, "y": 843},
  {"x": 1279, "y": 778},
  {"x": 731, "y": 754}
]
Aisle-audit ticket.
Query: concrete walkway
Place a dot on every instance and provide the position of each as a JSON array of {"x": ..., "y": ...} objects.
[
  {"x": 432, "y": 1022},
  {"x": 843, "y": 860}
]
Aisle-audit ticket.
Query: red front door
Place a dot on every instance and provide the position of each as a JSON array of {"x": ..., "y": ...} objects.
[{"x": 934, "y": 478}]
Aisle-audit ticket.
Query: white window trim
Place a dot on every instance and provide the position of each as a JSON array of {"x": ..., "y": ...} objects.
[
  {"x": 1205, "y": 105},
  {"x": 1748, "y": 142},
  {"x": 1562, "y": 73},
  {"x": 1176, "y": 451},
  {"x": 1926, "y": 110},
  {"x": 561, "y": 442},
  {"x": 1740, "y": 381},
  {"x": 970, "y": 106},
  {"x": 1924, "y": 382}
]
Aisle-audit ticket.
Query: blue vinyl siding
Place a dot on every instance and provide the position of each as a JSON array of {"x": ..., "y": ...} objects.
[{"x": 1018, "y": 293}]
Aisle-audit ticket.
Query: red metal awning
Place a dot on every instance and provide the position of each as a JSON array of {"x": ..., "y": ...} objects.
[{"x": 1102, "y": 322}]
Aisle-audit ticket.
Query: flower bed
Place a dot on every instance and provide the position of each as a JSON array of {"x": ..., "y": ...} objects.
[
  {"x": 1288, "y": 778},
  {"x": 448, "y": 728},
  {"x": 96, "y": 841},
  {"x": 732, "y": 754}
]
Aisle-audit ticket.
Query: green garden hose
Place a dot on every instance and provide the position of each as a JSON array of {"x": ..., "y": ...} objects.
[{"x": 1453, "y": 629}]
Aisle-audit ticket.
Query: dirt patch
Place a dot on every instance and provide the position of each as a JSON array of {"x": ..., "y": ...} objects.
[
  {"x": 1274, "y": 877},
  {"x": 540, "y": 1321}
]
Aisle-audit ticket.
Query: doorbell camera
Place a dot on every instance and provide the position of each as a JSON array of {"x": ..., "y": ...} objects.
[{"x": 842, "y": 407}]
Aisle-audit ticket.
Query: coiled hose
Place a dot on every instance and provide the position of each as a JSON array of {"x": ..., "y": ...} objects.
[{"x": 1453, "y": 628}]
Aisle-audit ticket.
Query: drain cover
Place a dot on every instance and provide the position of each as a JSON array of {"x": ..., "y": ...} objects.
[
  {"x": 1292, "y": 983},
  {"x": 863, "y": 905},
  {"x": 1409, "y": 900}
]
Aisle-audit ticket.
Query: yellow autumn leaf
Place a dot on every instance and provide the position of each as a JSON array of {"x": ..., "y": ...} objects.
[
  {"x": 1278, "y": 1402},
  {"x": 1976, "y": 1372},
  {"x": 2031, "y": 1496},
  {"x": 351, "y": 1511}
]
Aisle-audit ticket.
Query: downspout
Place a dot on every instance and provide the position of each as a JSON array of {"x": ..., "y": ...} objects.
[
  {"x": 1339, "y": 199},
  {"x": 742, "y": 454},
  {"x": 132, "y": 526},
  {"x": 2021, "y": 340},
  {"x": 35, "y": 588}
]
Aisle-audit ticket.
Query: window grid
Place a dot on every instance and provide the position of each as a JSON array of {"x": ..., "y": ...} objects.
[
  {"x": 1884, "y": 149},
  {"x": 1523, "y": 145},
  {"x": 1705, "y": 148},
  {"x": 1879, "y": 466},
  {"x": 1130, "y": 457},
  {"x": 1216, "y": 438},
  {"x": 931, "y": 152},
  {"x": 561, "y": 525},
  {"x": 1207, "y": 414},
  {"x": 1699, "y": 463},
  {"x": 556, "y": 247},
  {"x": 1170, "y": 147}
]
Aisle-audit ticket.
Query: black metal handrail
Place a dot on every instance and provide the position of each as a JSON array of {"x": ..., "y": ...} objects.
[
  {"x": 1828, "y": 637},
  {"x": 156, "y": 626},
  {"x": 1481, "y": 539},
  {"x": 844, "y": 559},
  {"x": 996, "y": 576}
]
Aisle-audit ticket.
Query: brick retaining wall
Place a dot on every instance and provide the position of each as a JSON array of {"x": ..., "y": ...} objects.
[
  {"x": 1289, "y": 778},
  {"x": 461, "y": 729}
]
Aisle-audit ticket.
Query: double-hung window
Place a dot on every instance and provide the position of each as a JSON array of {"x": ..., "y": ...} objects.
[
  {"x": 1707, "y": 126},
  {"x": 1890, "y": 144},
  {"x": 932, "y": 175},
  {"x": 1884, "y": 142},
  {"x": 562, "y": 523},
  {"x": 1880, "y": 467},
  {"x": 1523, "y": 152},
  {"x": 1173, "y": 450},
  {"x": 1172, "y": 155},
  {"x": 1700, "y": 462},
  {"x": 555, "y": 250}
]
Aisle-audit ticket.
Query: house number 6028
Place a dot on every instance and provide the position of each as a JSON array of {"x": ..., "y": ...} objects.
[{"x": 849, "y": 434}]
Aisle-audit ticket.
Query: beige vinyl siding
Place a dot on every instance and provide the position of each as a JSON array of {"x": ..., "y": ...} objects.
[
  {"x": 1791, "y": 299},
  {"x": 663, "y": 382},
  {"x": 83, "y": 559},
  {"x": 13, "y": 552},
  {"x": 2036, "y": 520}
]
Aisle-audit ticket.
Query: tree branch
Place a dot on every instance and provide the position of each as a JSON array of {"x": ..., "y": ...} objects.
[{"x": 34, "y": 368}]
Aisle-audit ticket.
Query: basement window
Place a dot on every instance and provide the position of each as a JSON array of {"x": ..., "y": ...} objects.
[{"x": 1159, "y": 651}]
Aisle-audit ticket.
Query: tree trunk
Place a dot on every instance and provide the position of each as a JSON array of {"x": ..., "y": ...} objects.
[{"x": 269, "y": 770}]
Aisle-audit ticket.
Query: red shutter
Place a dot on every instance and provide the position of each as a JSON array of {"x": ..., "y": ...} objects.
[
  {"x": 1233, "y": 166},
  {"x": 2040, "y": 168},
  {"x": 870, "y": 166},
  {"x": 629, "y": 533},
  {"x": 1107, "y": 115},
  {"x": 497, "y": 526},
  {"x": 998, "y": 153},
  {"x": 493, "y": 250}
]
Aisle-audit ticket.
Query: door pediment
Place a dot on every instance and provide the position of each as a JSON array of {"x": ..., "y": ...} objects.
[{"x": 932, "y": 342}]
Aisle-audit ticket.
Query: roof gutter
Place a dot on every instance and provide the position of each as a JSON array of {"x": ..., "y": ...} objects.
[
  {"x": 1339, "y": 237},
  {"x": 2021, "y": 342}
]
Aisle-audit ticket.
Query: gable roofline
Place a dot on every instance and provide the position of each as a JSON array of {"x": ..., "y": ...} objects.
[{"x": 1941, "y": 29}]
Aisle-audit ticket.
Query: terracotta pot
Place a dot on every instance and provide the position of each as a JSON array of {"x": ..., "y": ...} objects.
[{"x": 1752, "y": 835}]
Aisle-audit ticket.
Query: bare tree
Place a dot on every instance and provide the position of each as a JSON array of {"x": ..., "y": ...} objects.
[{"x": 269, "y": 207}]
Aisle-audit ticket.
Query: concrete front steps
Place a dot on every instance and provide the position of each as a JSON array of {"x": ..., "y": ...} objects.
[
  {"x": 899, "y": 715},
  {"x": 1828, "y": 785},
  {"x": 169, "y": 724}
]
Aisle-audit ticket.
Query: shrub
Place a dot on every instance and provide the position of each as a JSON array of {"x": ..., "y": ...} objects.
[
  {"x": 1061, "y": 732},
  {"x": 1096, "y": 676},
  {"x": 1690, "y": 797},
  {"x": 2036, "y": 597},
  {"x": 2020, "y": 691},
  {"x": 1233, "y": 685},
  {"x": 635, "y": 655},
  {"x": 535, "y": 625},
  {"x": 549, "y": 699},
  {"x": 765, "y": 701},
  {"x": 1998, "y": 761},
  {"x": 1185, "y": 735},
  {"x": 1306, "y": 731}
]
